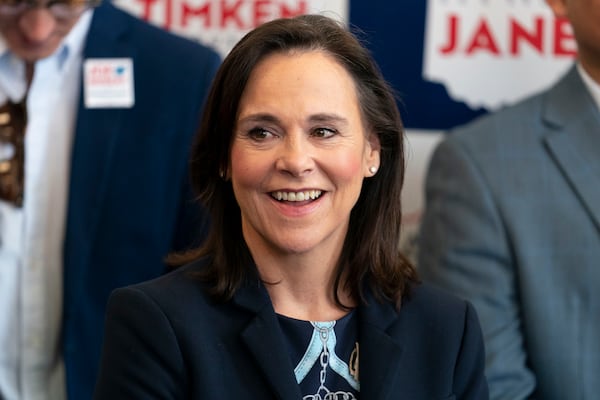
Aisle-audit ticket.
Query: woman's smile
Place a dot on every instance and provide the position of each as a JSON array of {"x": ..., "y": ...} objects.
[{"x": 300, "y": 196}]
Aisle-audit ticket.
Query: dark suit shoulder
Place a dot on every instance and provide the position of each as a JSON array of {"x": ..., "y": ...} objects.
[
  {"x": 441, "y": 340},
  {"x": 438, "y": 320},
  {"x": 435, "y": 307},
  {"x": 150, "y": 40},
  {"x": 175, "y": 286}
]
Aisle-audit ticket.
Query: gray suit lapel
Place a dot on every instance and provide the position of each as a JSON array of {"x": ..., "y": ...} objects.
[{"x": 574, "y": 141}]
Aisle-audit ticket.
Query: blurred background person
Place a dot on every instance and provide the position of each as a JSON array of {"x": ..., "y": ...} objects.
[
  {"x": 98, "y": 110},
  {"x": 300, "y": 290},
  {"x": 513, "y": 224}
]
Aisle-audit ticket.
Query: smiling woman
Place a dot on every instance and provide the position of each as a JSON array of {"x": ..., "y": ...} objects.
[{"x": 300, "y": 290}]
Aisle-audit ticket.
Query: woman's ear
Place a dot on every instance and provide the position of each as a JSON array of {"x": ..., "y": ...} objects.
[
  {"x": 373, "y": 152},
  {"x": 224, "y": 173}
]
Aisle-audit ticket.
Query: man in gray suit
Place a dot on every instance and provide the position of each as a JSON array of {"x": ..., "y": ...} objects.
[{"x": 512, "y": 223}]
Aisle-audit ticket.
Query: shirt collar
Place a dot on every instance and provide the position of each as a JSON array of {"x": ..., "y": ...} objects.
[
  {"x": 592, "y": 85},
  {"x": 73, "y": 42}
]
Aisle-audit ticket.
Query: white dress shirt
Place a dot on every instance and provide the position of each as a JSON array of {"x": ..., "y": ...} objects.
[
  {"x": 31, "y": 238},
  {"x": 592, "y": 85}
]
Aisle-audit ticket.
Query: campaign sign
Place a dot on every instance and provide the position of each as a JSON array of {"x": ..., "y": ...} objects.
[
  {"x": 493, "y": 53},
  {"x": 222, "y": 23}
]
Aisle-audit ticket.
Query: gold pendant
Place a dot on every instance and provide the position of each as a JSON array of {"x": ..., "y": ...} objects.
[{"x": 353, "y": 362}]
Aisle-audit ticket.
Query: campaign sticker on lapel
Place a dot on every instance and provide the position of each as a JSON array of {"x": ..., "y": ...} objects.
[{"x": 108, "y": 83}]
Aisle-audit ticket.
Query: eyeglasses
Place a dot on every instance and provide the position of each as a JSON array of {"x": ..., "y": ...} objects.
[
  {"x": 13, "y": 120},
  {"x": 60, "y": 9}
]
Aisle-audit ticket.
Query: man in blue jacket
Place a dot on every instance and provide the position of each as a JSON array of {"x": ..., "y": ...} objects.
[{"x": 98, "y": 110}]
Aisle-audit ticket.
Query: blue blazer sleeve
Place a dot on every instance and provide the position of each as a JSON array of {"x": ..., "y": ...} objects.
[{"x": 140, "y": 351}]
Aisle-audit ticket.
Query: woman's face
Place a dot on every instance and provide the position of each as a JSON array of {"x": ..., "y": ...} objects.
[{"x": 299, "y": 154}]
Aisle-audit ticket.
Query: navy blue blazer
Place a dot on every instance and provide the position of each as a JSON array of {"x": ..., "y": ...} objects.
[
  {"x": 129, "y": 197},
  {"x": 167, "y": 339}
]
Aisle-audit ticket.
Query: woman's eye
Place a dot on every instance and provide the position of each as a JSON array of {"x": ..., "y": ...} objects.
[
  {"x": 324, "y": 132},
  {"x": 259, "y": 134}
]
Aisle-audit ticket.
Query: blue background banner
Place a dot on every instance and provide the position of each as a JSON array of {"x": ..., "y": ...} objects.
[{"x": 395, "y": 33}]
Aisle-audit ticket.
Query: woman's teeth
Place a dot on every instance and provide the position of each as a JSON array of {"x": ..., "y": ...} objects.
[{"x": 297, "y": 196}]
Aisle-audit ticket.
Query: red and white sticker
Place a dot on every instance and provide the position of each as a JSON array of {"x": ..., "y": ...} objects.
[{"x": 108, "y": 83}]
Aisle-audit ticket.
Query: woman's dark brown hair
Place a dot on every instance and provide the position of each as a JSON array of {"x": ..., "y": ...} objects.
[{"x": 370, "y": 254}]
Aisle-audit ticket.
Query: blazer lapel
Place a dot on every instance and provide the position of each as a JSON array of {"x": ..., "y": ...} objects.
[
  {"x": 380, "y": 355},
  {"x": 265, "y": 341},
  {"x": 575, "y": 122},
  {"x": 96, "y": 135}
]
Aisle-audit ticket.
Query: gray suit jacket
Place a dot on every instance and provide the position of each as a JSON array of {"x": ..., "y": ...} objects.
[{"x": 513, "y": 224}]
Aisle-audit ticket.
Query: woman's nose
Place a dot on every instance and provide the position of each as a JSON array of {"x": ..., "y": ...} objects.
[{"x": 295, "y": 156}]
